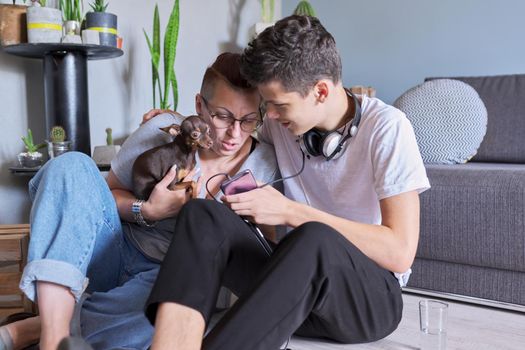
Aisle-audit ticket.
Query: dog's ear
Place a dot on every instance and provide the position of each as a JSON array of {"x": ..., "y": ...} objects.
[{"x": 173, "y": 129}]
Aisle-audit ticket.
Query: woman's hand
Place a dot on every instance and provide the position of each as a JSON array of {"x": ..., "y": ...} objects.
[
  {"x": 164, "y": 203},
  {"x": 155, "y": 112}
]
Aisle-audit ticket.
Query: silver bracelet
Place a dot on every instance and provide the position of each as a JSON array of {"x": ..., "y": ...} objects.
[{"x": 136, "y": 209}]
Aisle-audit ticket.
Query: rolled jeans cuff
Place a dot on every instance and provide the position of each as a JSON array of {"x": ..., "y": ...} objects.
[{"x": 54, "y": 271}]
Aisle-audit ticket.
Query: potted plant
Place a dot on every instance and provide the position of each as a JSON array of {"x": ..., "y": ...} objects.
[
  {"x": 12, "y": 24},
  {"x": 103, "y": 22},
  {"x": 170, "y": 50},
  {"x": 57, "y": 144},
  {"x": 267, "y": 12},
  {"x": 31, "y": 158},
  {"x": 304, "y": 8},
  {"x": 72, "y": 17},
  {"x": 44, "y": 24},
  {"x": 103, "y": 155}
]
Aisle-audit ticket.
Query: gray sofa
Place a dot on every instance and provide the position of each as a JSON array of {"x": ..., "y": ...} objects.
[{"x": 472, "y": 240}]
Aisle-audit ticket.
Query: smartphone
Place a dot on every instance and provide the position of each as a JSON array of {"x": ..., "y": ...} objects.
[
  {"x": 241, "y": 182},
  {"x": 260, "y": 237}
]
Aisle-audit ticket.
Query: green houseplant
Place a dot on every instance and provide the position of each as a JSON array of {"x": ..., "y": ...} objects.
[
  {"x": 103, "y": 22},
  {"x": 267, "y": 10},
  {"x": 304, "y": 8},
  {"x": 72, "y": 17},
  {"x": 57, "y": 144},
  {"x": 170, "y": 50},
  {"x": 99, "y": 6},
  {"x": 71, "y": 10},
  {"x": 31, "y": 158},
  {"x": 267, "y": 14}
]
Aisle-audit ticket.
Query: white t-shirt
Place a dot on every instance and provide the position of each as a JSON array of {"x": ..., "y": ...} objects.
[{"x": 380, "y": 161}]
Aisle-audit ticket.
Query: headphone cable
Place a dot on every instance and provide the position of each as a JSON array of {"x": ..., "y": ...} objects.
[
  {"x": 266, "y": 184},
  {"x": 287, "y": 177}
]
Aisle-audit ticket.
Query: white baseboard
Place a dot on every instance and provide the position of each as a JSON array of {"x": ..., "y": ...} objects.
[{"x": 465, "y": 299}]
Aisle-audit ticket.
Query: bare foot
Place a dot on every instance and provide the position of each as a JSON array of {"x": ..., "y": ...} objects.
[{"x": 25, "y": 332}]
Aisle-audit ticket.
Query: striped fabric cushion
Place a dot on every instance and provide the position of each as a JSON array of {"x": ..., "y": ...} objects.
[{"x": 449, "y": 120}]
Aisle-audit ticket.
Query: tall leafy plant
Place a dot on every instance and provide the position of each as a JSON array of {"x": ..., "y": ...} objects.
[
  {"x": 268, "y": 7},
  {"x": 71, "y": 10},
  {"x": 169, "y": 51}
]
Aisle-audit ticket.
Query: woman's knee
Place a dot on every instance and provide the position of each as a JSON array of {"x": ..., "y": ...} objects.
[{"x": 70, "y": 161}]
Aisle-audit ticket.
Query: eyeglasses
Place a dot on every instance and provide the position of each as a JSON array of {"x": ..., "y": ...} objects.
[{"x": 225, "y": 119}]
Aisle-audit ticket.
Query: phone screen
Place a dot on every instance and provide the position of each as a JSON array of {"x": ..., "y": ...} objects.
[{"x": 241, "y": 182}]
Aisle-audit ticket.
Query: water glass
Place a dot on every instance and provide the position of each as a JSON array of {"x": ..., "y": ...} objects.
[{"x": 433, "y": 324}]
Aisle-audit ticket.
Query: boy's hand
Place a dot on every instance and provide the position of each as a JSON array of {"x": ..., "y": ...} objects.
[
  {"x": 262, "y": 205},
  {"x": 164, "y": 203}
]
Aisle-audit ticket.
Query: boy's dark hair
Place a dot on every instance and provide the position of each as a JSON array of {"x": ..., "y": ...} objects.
[
  {"x": 297, "y": 51},
  {"x": 226, "y": 68}
]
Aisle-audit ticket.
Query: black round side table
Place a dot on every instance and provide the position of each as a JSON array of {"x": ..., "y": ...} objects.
[{"x": 66, "y": 85}]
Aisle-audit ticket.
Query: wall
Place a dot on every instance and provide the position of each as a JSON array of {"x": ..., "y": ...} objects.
[
  {"x": 119, "y": 89},
  {"x": 394, "y": 45}
]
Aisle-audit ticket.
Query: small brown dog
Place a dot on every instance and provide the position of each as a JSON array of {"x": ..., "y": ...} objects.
[{"x": 151, "y": 166}]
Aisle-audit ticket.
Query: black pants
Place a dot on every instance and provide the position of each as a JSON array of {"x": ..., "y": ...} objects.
[{"x": 315, "y": 284}]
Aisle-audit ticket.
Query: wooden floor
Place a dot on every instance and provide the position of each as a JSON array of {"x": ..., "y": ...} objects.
[{"x": 469, "y": 328}]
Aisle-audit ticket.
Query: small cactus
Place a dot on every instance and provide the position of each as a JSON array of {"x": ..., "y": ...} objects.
[
  {"x": 58, "y": 134},
  {"x": 109, "y": 137},
  {"x": 304, "y": 9}
]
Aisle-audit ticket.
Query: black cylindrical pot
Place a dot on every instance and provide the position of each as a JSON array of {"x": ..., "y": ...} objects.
[{"x": 106, "y": 24}]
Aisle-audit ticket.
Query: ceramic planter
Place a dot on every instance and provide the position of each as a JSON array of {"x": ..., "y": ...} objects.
[
  {"x": 90, "y": 37},
  {"x": 103, "y": 155},
  {"x": 30, "y": 159},
  {"x": 106, "y": 24},
  {"x": 13, "y": 27},
  {"x": 44, "y": 25}
]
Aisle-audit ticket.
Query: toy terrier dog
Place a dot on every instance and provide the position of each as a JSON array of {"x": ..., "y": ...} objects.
[{"x": 151, "y": 166}]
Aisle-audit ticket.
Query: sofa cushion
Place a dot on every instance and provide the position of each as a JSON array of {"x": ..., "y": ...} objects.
[
  {"x": 449, "y": 120},
  {"x": 474, "y": 215},
  {"x": 504, "y": 98},
  {"x": 473, "y": 281}
]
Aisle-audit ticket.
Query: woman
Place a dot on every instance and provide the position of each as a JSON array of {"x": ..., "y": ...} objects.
[{"x": 77, "y": 238}]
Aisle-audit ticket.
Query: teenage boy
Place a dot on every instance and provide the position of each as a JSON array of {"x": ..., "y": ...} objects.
[{"x": 353, "y": 214}]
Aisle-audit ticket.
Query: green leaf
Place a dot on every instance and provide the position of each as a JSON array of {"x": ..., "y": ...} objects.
[
  {"x": 156, "y": 35},
  {"x": 154, "y": 69},
  {"x": 304, "y": 8},
  {"x": 170, "y": 48},
  {"x": 175, "y": 88}
]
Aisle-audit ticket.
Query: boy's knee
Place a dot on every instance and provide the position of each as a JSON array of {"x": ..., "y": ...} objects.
[
  {"x": 314, "y": 235},
  {"x": 204, "y": 207}
]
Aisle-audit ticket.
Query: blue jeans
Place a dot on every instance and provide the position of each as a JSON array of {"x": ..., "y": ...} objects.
[{"x": 77, "y": 242}]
